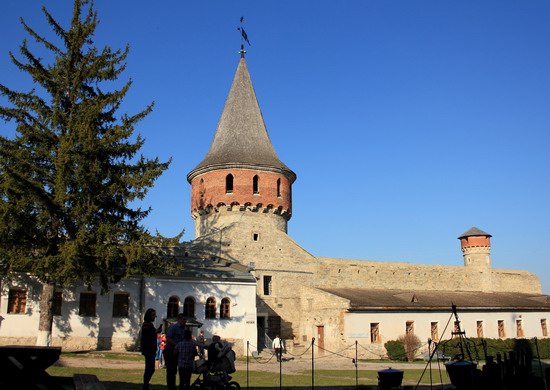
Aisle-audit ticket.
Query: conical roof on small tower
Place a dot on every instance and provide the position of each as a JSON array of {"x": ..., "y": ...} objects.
[
  {"x": 473, "y": 232},
  {"x": 241, "y": 139}
]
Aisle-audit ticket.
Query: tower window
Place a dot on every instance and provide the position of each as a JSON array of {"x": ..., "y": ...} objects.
[
  {"x": 210, "y": 309},
  {"x": 172, "y": 309},
  {"x": 267, "y": 284},
  {"x": 256, "y": 236},
  {"x": 255, "y": 184},
  {"x": 229, "y": 184},
  {"x": 279, "y": 187}
]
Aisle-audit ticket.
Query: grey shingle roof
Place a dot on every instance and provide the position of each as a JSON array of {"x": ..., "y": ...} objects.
[
  {"x": 407, "y": 300},
  {"x": 474, "y": 232},
  {"x": 206, "y": 267},
  {"x": 241, "y": 139}
]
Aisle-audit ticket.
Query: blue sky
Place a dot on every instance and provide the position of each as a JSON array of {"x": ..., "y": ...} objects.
[{"x": 407, "y": 122}]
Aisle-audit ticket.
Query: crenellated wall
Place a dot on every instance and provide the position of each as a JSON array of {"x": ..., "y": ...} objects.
[{"x": 212, "y": 219}]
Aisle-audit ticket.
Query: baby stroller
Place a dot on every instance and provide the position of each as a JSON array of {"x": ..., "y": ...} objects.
[{"x": 216, "y": 377}]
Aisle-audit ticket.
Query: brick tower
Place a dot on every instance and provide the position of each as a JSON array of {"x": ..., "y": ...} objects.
[
  {"x": 476, "y": 248},
  {"x": 241, "y": 174}
]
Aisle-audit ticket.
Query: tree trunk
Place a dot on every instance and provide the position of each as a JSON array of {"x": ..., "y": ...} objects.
[{"x": 44, "y": 337}]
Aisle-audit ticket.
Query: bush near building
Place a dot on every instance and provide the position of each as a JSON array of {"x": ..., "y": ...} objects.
[
  {"x": 479, "y": 348},
  {"x": 395, "y": 350}
]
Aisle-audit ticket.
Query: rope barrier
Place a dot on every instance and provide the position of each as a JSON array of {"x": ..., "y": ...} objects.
[
  {"x": 302, "y": 354},
  {"x": 260, "y": 361}
]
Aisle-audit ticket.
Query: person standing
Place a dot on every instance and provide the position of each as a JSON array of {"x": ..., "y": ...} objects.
[
  {"x": 161, "y": 341},
  {"x": 201, "y": 340},
  {"x": 148, "y": 345},
  {"x": 186, "y": 351},
  {"x": 174, "y": 335},
  {"x": 278, "y": 347},
  {"x": 213, "y": 350}
]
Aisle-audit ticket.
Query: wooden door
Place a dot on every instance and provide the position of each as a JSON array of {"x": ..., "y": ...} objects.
[{"x": 320, "y": 338}]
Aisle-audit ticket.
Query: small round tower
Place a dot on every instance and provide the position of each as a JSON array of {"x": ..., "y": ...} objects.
[
  {"x": 476, "y": 248},
  {"x": 241, "y": 175}
]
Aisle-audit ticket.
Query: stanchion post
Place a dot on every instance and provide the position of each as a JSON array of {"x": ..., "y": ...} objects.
[
  {"x": 279, "y": 357},
  {"x": 430, "y": 359},
  {"x": 247, "y": 349},
  {"x": 312, "y": 363},
  {"x": 356, "y": 370}
]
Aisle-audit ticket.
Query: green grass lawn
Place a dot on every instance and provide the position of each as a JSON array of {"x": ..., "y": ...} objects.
[{"x": 115, "y": 379}]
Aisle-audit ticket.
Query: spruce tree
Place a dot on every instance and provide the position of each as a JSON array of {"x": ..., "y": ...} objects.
[{"x": 70, "y": 177}]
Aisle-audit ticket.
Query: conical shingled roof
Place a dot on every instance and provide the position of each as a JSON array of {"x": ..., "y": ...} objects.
[
  {"x": 474, "y": 232},
  {"x": 241, "y": 139}
]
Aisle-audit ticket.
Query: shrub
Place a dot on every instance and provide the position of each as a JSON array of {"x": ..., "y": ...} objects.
[
  {"x": 395, "y": 350},
  {"x": 411, "y": 343},
  {"x": 535, "y": 348}
]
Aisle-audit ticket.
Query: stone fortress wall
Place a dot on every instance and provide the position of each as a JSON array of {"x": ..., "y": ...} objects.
[
  {"x": 250, "y": 238},
  {"x": 386, "y": 275},
  {"x": 296, "y": 275}
]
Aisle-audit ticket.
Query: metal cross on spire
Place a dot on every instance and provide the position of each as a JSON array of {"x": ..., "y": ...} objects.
[{"x": 244, "y": 38}]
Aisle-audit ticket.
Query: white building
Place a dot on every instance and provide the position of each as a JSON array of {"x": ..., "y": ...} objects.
[{"x": 220, "y": 295}]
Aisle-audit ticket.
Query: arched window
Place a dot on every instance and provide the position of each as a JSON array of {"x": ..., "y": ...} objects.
[
  {"x": 210, "y": 309},
  {"x": 278, "y": 187},
  {"x": 229, "y": 184},
  {"x": 255, "y": 185},
  {"x": 173, "y": 307},
  {"x": 189, "y": 307},
  {"x": 224, "y": 309}
]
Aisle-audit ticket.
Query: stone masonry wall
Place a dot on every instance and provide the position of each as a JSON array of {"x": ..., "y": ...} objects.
[
  {"x": 380, "y": 275},
  {"x": 258, "y": 219},
  {"x": 79, "y": 343},
  {"x": 319, "y": 308}
]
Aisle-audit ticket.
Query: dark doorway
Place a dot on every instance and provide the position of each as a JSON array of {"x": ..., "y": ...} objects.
[
  {"x": 274, "y": 326},
  {"x": 261, "y": 333}
]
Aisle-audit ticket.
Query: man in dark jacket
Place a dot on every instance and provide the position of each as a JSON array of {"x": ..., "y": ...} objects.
[{"x": 174, "y": 335}]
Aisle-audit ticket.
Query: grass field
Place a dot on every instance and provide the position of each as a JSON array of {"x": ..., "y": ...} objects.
[{"x": 115, "y": 379}]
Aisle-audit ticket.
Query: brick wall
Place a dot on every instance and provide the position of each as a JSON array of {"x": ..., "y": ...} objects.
[{"x": 209, "y": 191}]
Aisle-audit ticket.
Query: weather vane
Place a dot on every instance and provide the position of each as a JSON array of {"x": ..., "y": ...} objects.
[{"x": 244, "y": 38}]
